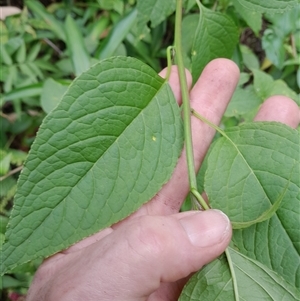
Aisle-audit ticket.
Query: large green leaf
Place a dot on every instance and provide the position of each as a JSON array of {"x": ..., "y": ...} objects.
[
  {"x": 269, "y": 5},
  {"x": 106, "y": 149},
  {"x": 246, "y": 177},
  {"x": 215, "y": 36},
  {"x": 255, "y": 282}
]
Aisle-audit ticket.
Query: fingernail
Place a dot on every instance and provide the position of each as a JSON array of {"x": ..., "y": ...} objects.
[{"x": 207, "y": 228}]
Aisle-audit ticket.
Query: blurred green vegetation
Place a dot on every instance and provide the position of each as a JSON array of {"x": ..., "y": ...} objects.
[{"x": 49, "y": 43}]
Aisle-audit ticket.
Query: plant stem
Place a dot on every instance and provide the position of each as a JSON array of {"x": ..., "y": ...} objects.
[
  {"x": 185, "y": 99},
  {"x": 170, "y": 49},
  {"x": 234, "y": 280},
  {"x": 200, "y": 199}
]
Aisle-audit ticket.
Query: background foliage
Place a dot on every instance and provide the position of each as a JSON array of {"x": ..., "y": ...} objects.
[{"x": 51, "y": 42}]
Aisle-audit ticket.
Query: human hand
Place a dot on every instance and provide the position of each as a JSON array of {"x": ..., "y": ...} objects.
[{"x": 150, "y": 255}]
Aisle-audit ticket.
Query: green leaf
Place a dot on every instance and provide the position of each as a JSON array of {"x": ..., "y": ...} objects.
[
  {"x": 252, "y": 17},
  {"x": 212, "y": 282},
  {"x": 153, "y": 11},
  {"x": 248, "y": 171},
  {"x": 254, "y": 282},
  {"x": 33, "y": 52},
  {"x": 3, "y": 221},
  {"x": 9, "y": 282},
  {"x": 51, "y": 94},
  {"x": 270, "y": 6},
  {"x": 79, "y": 55},
  {"x": 55, "y": 25},
  {"x": 21, "y": 53},
  {"x": 265, "y": 216},
  {"x": 5, "y": 57},
  {"x": 215, "y": 36},
  {"x": 92, "y": 39},
  {"x": 246, "y": 177},
  {"x": 265, "y": 86},
  {"x": 117, "y": 5},
  {"x": 4, "y": 164},
  {"x": 275, "y": 242},
  {"x": 21, "y": 93},
  {"x": 244, "y": 99},
  {"x": 286, "y": 23},
  {"x": 189, "y": 23},
  {"x": 250, "y": 60},
  {"x": 118, "y": 34},
  {"x": 105, "y": 150},
  {"x": 273, "y": 45}
]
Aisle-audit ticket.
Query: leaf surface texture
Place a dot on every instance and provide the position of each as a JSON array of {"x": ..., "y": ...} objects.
[{"x": 105, "y": 150}]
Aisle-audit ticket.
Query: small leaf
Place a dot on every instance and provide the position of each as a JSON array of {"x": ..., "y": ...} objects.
[
  {"x": 153, "y": 11},
  {"x": 265, "y": 86},
  {"x": 244, "y": 99},
  {"x": 5, "y": 57},
  {"x": 273, "y": 45},
  {"x": 55, "y": 25},
  {"x": 254, "y": 282},
  {"x": 250, "y": 60},
  {"x": 215, "y": 36},
  {"x": 21, "y": 93},
  {"x": 271, "y": 6},
  {"x": 21, "y": 53},
  {"x": 5, "y": 164},
  {"x": 79, "y": 55},
  {"x": 118, "y": 34},
  {"x": 51, "y": 94},
  {"x": 105, "y": 150},
  {"x": 252, "y": 17}
]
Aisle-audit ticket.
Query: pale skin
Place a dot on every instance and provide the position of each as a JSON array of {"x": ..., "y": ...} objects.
[{"x": 151, "y": 254}]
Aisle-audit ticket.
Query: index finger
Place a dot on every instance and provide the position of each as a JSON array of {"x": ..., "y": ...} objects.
[{"x": 210, "y": 97}]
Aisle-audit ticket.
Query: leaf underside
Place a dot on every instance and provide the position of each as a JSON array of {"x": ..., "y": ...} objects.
[
  {"x": 249, "y": 172},
  {"x": 248, "y": 175},
  {"x": 107, "y": 148},
  {"x": 255, "y": 282}
]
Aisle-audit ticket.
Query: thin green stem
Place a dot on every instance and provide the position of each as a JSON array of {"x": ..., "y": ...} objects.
[
  {"x": 169, "y": 60},
  {"x": 232, "y": 271},
  {"x": 200, "y": 199},
  {"x": 215, "y": 127},
  {"x": 229, "y": 260},
  {"x": 185, "y": 99}
]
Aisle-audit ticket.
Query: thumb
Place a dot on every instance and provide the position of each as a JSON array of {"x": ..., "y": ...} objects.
[
  {"x": 140, "y": 260},
  {"x": 153, "y": 250}
]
